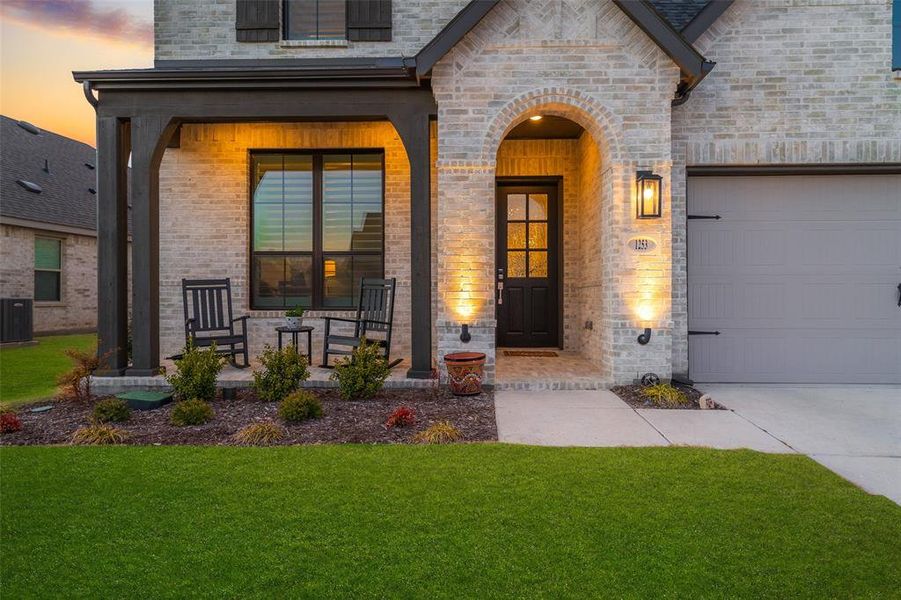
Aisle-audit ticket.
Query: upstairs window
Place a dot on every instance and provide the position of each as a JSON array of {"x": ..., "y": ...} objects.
[
  {"x": 47, "y": 270},
  {"x": 317, "y": 222},
  {"x": 316, "y": 20}
]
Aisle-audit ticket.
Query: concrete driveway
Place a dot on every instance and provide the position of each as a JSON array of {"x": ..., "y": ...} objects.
[{"x": 854, "y": 430}]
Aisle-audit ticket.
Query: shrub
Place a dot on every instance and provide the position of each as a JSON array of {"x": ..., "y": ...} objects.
[
  {"x": 361, "y": 375},
  {"x": 195, "y": 373},
  {"x": 76, "y": 382},
  {"x": 442, "y": 432},
  {"x": 300, "y": 406},
  {"x": 191, "y": 412},
  {"x": 282, "y": 373},
  {"x": 9, "y": 422},
  {"x": 664, "y": 394},
  {"x": 403, "y": 416},
  {"x": 111, "y": 410},
  {"x": 98, "y": 434},
  {"x": 260, "y": 434}
]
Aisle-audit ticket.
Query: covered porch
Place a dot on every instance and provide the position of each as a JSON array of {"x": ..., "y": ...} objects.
[{"x": 142, "y": 113}]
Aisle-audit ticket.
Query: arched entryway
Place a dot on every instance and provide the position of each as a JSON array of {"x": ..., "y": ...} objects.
[{"x": 548, "y": 252}]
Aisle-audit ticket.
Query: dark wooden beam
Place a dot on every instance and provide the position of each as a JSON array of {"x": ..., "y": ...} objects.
[
  {"x": 150, "y": 136},
  {"x": 112, "y": 245},
  {"x": 414, "y": 132}
]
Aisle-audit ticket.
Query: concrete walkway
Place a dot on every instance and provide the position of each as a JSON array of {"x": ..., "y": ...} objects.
[
  {"x": 853, "y": 430},
  {"x": 600, "y": 418}
]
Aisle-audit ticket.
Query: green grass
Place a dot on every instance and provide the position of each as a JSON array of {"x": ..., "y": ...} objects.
[
  {"x": 29, "y": 373},
  {"x": 478, "y": 521}
]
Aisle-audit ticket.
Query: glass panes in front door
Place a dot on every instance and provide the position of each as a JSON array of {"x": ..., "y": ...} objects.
[{"x": 527, "y": 235}]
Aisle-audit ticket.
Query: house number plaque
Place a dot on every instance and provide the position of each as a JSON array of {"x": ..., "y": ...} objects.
[{"x": 642, "y": 245}]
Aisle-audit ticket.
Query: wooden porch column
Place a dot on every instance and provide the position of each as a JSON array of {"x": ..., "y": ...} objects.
[
  {"x": 414, "y": 131},
  {"x": 149, "y": 137},
  {"x": 112, "y": 245}
]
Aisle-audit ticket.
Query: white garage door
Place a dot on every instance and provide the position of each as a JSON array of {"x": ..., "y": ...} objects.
[{"x": 800, "y": 276}]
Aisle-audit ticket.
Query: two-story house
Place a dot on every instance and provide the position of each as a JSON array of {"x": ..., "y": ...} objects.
[{"x": 709, "y": 189}]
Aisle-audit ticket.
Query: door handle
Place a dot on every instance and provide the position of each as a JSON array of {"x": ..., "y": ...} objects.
[{"x": 899, "y": 294}]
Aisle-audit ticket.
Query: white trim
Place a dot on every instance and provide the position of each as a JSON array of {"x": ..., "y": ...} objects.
[{"x": 53, "y": 227}]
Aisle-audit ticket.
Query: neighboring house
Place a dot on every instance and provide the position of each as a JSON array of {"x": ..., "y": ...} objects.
[
  {"x": 553, "y": 173},
  {"x": 48, "y": 217}
]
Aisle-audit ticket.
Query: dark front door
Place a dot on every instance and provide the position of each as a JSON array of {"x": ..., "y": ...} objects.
[{"x": 527, "y": 308}]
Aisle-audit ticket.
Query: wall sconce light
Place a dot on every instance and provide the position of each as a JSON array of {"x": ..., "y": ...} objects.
[
  {"x": 644, "y": 338},
  {"x": 330, "y": 268},
  {"x": 645, "y": 313},
  {"x": 649, "y": 195},
  {"x": 464, "y": 334}
]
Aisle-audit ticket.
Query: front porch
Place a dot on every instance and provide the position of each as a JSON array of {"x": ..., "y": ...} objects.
[
  {"x": 188, "y": 194},
  {"x": 515, "y": 370}
]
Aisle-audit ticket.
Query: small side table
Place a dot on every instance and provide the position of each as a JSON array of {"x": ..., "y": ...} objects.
[{"x": 295, "y": 332}]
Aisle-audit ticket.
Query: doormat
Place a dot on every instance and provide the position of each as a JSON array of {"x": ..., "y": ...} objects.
[{"x": 530, "y": 353}]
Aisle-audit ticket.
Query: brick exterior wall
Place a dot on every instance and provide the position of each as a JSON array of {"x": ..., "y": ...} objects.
[
  {"x": 796, "y": 82},
  {"x": 205, "y": 210},
  {"x": 193, "y": 29},
  {"x": 77, "y": 310},
  {"x": 587, "y": 62}
]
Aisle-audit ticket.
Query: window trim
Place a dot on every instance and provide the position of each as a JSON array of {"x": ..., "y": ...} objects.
[
  {"x": 308, "y": 42},
  {"x": 317, "y": 252},
  {"x": 35, "y": 270}
]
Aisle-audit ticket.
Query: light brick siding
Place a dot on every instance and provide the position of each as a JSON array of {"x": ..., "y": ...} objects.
[
  {"x": 204, "y": 218},
  {"x": 796, "y": 82},
  {"x": 77, "y": 310},
  {"x": 195, "y": 29},
  {"x": 589, "y": 63}
]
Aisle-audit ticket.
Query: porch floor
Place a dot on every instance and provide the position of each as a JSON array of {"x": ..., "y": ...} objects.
[
  {"x": 567, "y": 371},
  {"x": 233, "y": 378}
]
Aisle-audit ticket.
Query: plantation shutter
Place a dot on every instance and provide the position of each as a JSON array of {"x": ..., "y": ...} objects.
[
  {"x": 369, "y": 20},
  {"x": 257, "y": 21}
]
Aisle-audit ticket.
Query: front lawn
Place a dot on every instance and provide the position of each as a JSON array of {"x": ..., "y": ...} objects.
[
  {"x": 29, "y": 373},
  {"x": 437, "y": 522}
]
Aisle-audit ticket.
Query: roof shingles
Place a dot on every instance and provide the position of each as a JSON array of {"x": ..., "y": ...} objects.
[
  {"x": 65, "y": 198},
  {"x": 679, "y": 13}
]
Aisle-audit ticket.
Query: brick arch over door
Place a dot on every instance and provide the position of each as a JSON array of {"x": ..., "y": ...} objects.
[{"x": 578, "y": 107}]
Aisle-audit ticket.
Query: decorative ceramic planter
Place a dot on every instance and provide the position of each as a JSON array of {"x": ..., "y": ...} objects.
[
  {"x": 465, "y": 371},
  {"x": 294, "y": 322}
]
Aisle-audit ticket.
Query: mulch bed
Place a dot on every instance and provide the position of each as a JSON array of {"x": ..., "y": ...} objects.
[
  {"x": 631, "y": 395},
  {"x": 342, "y": 422}
]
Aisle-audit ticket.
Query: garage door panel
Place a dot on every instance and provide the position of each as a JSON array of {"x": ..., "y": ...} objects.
[
  {"x": 795, "y": 356},
  {"x": 799, "y": 276}
]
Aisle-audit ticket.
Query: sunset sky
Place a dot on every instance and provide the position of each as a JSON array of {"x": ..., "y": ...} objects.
[{"x": 43, "y": 41}]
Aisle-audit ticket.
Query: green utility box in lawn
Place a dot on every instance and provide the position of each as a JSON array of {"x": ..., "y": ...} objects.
[{"x": 146, "y": 400}]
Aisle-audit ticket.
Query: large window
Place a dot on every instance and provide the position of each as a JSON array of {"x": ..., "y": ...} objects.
[
  {"x": 317, "y": 227},
  {"x": 315, "y": 19},
  {"x": 47, "y": 269}
]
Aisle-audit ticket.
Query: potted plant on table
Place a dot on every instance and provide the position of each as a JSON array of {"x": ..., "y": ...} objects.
[{"x": 294, "y": 317}]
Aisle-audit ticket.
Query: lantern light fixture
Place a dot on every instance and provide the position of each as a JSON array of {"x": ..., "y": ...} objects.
[
  {"x": 648, "y": 195},
  {"x": 535, "y": 118}
]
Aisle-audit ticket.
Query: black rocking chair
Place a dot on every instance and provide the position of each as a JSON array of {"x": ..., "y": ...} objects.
[
  {"x": 375, "y": 314},
  {"x": 209, "y": 319}
]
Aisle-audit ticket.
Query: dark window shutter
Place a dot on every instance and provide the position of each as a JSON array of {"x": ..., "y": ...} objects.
[
  {"x": 257, "y": 21},
  {"x": 369, "y": 20}
]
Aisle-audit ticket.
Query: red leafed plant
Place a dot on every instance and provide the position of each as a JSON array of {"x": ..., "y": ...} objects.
[
  {"x": 402, "y": 416},
  {"x": 9, "y": 422}
]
